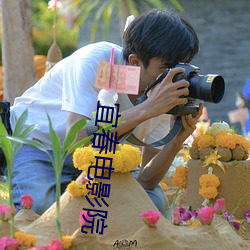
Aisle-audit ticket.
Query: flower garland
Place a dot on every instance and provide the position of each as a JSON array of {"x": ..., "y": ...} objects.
[
  {"x": 24, "y": 239},
  {"x": 180, "y": 177},
  {"x": 126, "y": 158},
  {"x": 219, "y": 136},
  {"x": 208, "y": 186}
]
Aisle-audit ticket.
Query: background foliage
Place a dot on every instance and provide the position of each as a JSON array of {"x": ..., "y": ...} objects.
[{"x": 42, "y": 19}]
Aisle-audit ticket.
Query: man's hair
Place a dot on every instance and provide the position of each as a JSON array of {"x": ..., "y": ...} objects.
[{"x": 161, "y": 34}]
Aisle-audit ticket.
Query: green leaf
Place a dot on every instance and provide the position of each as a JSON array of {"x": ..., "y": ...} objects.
[
  {"x": 32, "y": 143},
  {"x": 79, "y": 144},
  {"x": 104, "y": 8},
  {"x": 28, "y": 130},
  {"x": 172, "y": 207},
  {"x": 177, "y": 5},
  {"x": 5, "y": 144},
  {"x": 157, "y": 4},
  {"x": 23, "y": 134},
  {"x": 71, "y": 136},
  {"x": 87, "y": 139},
  {"x": 20, "y": 123},
  {"x": 238, "y": 205},
  {"x": 85, "y": 10},
  {"x": 132, "y": 7},
  {"x": 56, "y": 147}
]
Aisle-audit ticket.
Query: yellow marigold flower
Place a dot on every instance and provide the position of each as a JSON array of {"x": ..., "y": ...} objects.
[
  {"x": 27, "y": 240},
  {"x": 67, "y": 242},
  {"x": 89, "y": 189},
  {"x": 75, "y": 189},
  {"x": 180, "y": 177},
  {"x": 93, "y": 170},
  {"x": 131, "y": 158},
  {"x": 118, "y": 162},
  {"x": 208, "y": 192},
  {"x": 82, "y": 156},
  {"x": 125, "y": 158},
  {"x": 225, "y": 139},
  {"x": 209, "y": 180},
  {"x": 206, "y": 141}
]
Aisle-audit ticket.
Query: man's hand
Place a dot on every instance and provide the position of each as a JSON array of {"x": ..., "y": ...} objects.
[
  {"x": 167, "y": 94},
  {"x": 188, "y": 125}
]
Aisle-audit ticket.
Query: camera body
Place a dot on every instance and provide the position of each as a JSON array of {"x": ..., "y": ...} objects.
[{"x": 209, "y": 88}]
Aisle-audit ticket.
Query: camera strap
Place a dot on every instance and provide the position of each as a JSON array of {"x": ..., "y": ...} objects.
[{"x": 131, "y": 138}]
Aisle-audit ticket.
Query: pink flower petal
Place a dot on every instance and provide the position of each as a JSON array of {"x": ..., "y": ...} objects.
[
  {"x": 26, "y": 201},
  {"x": 151, "y": 217},
  {"x": 8, "y": 243},
  {"x": 206, "y": 215},
  {"x": 219, "y": 206},
  {"x": 84, "y": 218}
]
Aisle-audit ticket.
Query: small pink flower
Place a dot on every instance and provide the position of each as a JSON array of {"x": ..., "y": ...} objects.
[
  {"x": 206, "y": 215},
  {"x": 5, "y": 212},
  {"x": 8, "y": 243},
  {"x": 219, "y": 206},
  {"x": 55, "y": 245},
  {"x": 84, "y": 180},
  {"x": 150, "y": 217},
  {"x": 26, "y": 201},
  {"x": 85, "y": 218},
  {"x": 54, "y": 4},
  {"x": 176, "y": 217}
]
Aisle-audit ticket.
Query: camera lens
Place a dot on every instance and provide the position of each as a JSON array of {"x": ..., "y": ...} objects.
[{"x": 209, "y": 88}]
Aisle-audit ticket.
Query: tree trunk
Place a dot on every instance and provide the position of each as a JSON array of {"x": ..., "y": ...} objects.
[{"x": 17, "y": 48}]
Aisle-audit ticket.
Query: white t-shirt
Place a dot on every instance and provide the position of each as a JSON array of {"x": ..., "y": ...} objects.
[{"x": 69, "y": 86}]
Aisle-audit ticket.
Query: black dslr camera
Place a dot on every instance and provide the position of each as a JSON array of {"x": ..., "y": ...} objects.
[{"x": 209, "y": 88}]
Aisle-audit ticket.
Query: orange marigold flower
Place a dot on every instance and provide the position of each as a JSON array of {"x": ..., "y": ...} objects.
[
  {"x": 208, "y": 192},
  {"x": 242, "y": 141},
  {"x": 195, "y": 141},
  {"x": 225, "y": 139},
  {"x": 67, "y": 242},
  {"x": 206, "y": 141},
  {"x": 209, "y": 180},
  {"x": 180, "y": 177},
  {"x": 24, "y": 239},
  {"x": 181, "y": 171},
  {"x": 164, "y": 186}
]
